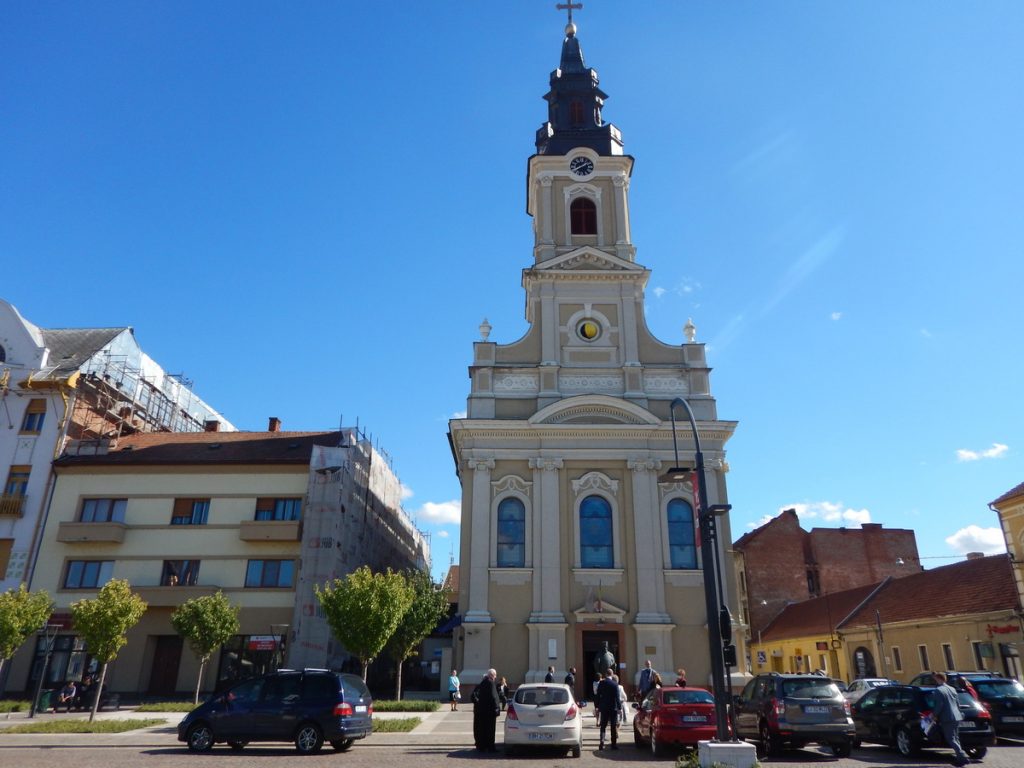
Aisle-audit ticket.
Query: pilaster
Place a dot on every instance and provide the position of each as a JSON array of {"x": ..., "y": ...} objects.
[
  {"x": 650, "y": 582},
  {"x": 547, "y": 553},
  {"x": 480, "y": 536}
]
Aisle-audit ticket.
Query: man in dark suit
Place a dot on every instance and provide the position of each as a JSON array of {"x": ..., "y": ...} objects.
[
  {"x": 550, "y": 676},
  {"x": 486, "y": 707},
  {"x": 646, "y": 681},
  {"x": 606, "y": 700}
]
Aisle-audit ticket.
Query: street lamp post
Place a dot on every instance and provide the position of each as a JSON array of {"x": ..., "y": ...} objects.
[
  {"x": 719, "y": 620},
  {"x": 49, "y": 633}
]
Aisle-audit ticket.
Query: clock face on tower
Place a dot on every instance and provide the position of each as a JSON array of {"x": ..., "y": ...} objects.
[{"x": 581, "y": 165}]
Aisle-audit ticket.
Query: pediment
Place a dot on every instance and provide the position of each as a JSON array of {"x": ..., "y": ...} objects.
[
  {"x": 595, "y": 608},
  {"x": 588, "y": 259},
  {"x": 594, "y": 409}
]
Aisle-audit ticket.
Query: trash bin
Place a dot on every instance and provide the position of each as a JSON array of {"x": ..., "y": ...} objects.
[{"x": 44, "y": 700}]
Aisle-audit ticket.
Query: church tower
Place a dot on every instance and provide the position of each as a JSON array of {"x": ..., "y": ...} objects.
[{"x": 570, "y": 537}]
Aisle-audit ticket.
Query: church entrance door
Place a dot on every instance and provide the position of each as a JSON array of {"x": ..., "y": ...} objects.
[{"x": 593, "y": 646}]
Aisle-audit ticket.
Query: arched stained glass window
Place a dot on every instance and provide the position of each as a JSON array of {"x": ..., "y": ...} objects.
[
  {"x": 681, "y": 541},
  {"x": 596, "y": 545},
  {"x": 511, "y": 533},
  {"x": 583, "y": 216}
]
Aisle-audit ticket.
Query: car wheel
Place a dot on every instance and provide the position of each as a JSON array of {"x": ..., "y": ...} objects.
[
  {"x": 308, "y": 739},
  {"x": 770, "y": 745},
  {"x": 577, "y": 750},
  {"x": 342, "y": 745},
  {"x": 238, "y": 746},
  {"x": 856, "y": 744},
  {"x": 841, "y": 748},
  {"x": 200, "y": 738},
  {"x": 655, "y": 747},
  {"x": 905, "y": 743},
  {"x": 976, "y": 752},
  {"x": 637, "y": 739}
]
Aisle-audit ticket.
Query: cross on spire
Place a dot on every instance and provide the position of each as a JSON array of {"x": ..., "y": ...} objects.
[{"x": 568, "y": 7}]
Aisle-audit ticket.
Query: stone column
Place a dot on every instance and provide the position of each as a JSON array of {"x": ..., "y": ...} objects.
[
  {"x": 476, "y": 621},
  {"x": 546, "y": 623},
  {"x": 480, "y": 541},
  {"x": 650, "y": 558},
  {"x": 622, "y": 235},
  {"x": 545, "y": 213}
]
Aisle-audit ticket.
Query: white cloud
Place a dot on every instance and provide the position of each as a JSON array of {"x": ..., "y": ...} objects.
[
  {"x": 760, "y": 522},
  {"x": 406, "y": 491},
  {"x": 458, "y": 415},
  {"x": 441, "y": 512},
  {"x": 995, "y": 452},
  {"x": 926, "y": 333},
  {"x": 829, "y": 512},
  {"x": 974, "y": 538},
  {"x": 442, "y": 534},
  {"x": 836, "y": 315},
  {"x": 659, "y": 292}
]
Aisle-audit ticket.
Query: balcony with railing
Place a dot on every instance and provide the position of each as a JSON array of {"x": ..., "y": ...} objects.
[{"x": 12, "y": 505}]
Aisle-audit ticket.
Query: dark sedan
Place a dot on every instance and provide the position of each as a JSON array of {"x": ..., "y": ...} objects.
[
  {"x": 896, "y": 715},
  {"x": 1004, "y": 699}
]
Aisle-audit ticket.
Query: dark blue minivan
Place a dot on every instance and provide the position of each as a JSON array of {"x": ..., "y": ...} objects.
[{"x": 306, "y": 708}]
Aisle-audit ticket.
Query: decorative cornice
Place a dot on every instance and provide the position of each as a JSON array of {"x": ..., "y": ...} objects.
[
  {"x": 597, "y": 481},
  {"x": 675, "y": 489},
  {"x": 510, "y": 483},
  {"x": 476, "y": 464}
]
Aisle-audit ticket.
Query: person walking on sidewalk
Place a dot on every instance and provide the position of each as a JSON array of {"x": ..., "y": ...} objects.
[
  {"x": 607, "y": 703},
  {"x": 946, "y": 711}
]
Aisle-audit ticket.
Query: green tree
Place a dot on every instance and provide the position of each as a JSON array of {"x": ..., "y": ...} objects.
[
  {"x": 206, "y": 623},
  {"x": 103, "y": 622},
  {"x": 21, "y": 613},
  {"x": 429, "y": 605},
  {"x": 363, "y": 610}
]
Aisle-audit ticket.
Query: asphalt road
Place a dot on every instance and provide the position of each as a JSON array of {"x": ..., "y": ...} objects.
[{"x": 442, "y": 738}]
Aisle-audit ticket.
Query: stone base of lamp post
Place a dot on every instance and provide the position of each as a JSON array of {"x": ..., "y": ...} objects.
[{"x": 737, "y": 754}]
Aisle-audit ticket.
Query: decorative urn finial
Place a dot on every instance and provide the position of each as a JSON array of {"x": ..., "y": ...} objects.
[
  {"x": 485, "y": 330},
  {"x": 690, "y": 330}
]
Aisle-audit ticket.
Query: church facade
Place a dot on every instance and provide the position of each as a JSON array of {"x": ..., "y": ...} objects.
[{"x": 571, "y": 536}]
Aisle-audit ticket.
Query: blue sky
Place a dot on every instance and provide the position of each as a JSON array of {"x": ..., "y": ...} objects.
[{"x": 308, "y": 208}]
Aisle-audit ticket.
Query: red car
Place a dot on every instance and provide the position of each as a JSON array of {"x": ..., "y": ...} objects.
[{"x": 674, "y": 717}]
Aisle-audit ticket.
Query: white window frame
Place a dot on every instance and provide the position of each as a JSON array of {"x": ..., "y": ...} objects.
[
  {"x": 897, "y": 658},
  {"x": 512, "y": 486},
  {"x": 923, "y": 657},
  {"x": 597, "y": 484},
  {"x": 594, "y": 194},
  {"x": 683, "y": 491}
]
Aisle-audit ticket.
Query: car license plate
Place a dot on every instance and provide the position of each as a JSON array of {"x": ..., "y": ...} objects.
[
  {"x": 360, "y": 707},
  {"x": 1013, "y": 719},
  {"x": 694, "y": 719},
  {"x": 968, "y": 724},
  {"x": 538, "y": 736},
  {"x": 811, "y": 709}
]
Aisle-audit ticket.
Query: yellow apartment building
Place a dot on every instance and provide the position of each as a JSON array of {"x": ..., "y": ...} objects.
[{"x": 184, "y": 515}]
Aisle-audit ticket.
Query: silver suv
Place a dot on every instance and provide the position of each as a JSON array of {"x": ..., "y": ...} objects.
[{"x": 776, "y": 710}]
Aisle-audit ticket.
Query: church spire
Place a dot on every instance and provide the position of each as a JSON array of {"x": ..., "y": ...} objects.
[{"x": 575, "y": 103}]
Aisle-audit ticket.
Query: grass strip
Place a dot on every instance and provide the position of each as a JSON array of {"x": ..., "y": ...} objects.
[
  {"x": 165, "y": 706},
  {"x": 82, "y": 726},
  {"x": 395, "y": 725},
  {"x": 14, "y": 705},
  {"x": 406, "y": 705}
]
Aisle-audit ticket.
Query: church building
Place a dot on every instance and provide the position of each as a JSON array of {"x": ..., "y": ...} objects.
[{"x": 571, "y": 536}]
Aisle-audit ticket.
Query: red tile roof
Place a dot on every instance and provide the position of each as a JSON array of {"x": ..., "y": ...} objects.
[
  {"x": 1015, "y": 491},
  {"x": 971, "y": 586},
  {"x": 167, "y": 448},
  {"x": 817, "y": 616}
]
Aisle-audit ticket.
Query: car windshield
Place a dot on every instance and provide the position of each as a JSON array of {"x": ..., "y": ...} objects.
[
  {"x": 999, "y": 689},
  {"x": 687, "y": 697},
  {"x": 541, "y": 697},
  {"x": 809, "y": 688}
]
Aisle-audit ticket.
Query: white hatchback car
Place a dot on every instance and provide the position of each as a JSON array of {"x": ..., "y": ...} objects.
[{"x": 544, "y": 715}]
